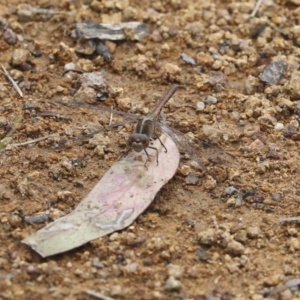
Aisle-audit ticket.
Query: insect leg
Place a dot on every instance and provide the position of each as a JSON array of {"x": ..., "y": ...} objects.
[
  {"x": 166, "y": 150},
  {"x": 156, "y": 153}
]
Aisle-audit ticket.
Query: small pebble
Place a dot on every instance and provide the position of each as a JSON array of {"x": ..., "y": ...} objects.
[
  {"x": 241, "y": 236},
  {"x": 258, "y": 205},
  {"x": 156, "y": 36},
  {"x": 204, "y": 59},
  {"x": 15, "y": 221},
  {"x": 37, "y": 53},
  {"x": 69, "y": 66},
  {"x": 165, "y": 255},
  {"x": 131, "y": 268},
  {"x": 185, "y": 170},
  {"x": 279, "y": 126},
  {"x": 231, "y": 202},
  {"x": 172, "y": 69},
  {"x": 273, "y": 279},
  {"x": 25, "y": 12},
  {"x": 37, "y": 219},
  {"x": 217, "y": 64},
  {"x": 200, "y": 105},
  {"x": 124, "y": 103},
  {"x": 175, "y": 271},
  {"x": 85, "y": 65},
  {"x": 19, "y": 56},
  {"x": 232, "y": 267},
  {"x": 147, "y": 261},
  {"x": 273, "y": 72},
  {"x": 292, "y": 231},
  {"x": 207, "y": 237},
  {"x": 276, "y": 196},
  {"x": 86, "y": 47},
  {"x": 114, "y": 236},
  {"x": 253, "y": 232},
  {"x": 97, "y": 263},
  {"x": 33, "y": 271},
  {"x": 235, "y": 248},
  {"x": 130, "y": 13},
  {"x": 257, "y": 146},
  {"x": 201, "y": 254},
  {"x": 210, "y": 183},
  {"x": 229, "y": 190},
  {"x": 117, "y": 290},
  {"x": 86, "y": 94},
  {"x": 213, "y": 133},
  {"x": 17, "y": 75},
  {"x": 287, "y": 295},
  {"x": 172, "y": 285},
  {"x": 189, "y": 60},
  {"x": 192, "y": 179},
  {"x": 210, "y": 100},
  {"x": 294, "y": 244},
  {"x": 290, "y": 130},
  {"x": 10, "y": 37},
  {"x": 195, "y": 28}
]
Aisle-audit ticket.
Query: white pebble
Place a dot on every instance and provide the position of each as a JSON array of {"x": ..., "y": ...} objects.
[
  {"x": 210, "y": 100},
  {"x": 69, "y": 66},
  {"x": 279, "y": 126},
  {"x": 200, "y": 105},
  {"x": 172, "y": 284}
]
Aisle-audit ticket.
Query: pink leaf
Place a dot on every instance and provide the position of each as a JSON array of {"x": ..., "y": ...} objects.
[{"x": 123, "y": 193}]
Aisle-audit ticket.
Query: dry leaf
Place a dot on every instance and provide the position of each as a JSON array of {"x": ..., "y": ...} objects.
[{"x": 122, "y": 194}]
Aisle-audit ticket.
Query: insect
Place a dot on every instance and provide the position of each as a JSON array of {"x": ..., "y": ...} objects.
[{"x": 139, "y": 140}]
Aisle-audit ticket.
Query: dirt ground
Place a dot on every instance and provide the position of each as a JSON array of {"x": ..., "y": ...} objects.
[{"x": 201, "y": 238}]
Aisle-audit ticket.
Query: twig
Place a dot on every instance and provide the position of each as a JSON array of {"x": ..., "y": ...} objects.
[
  {"x": 256, "y": 8},
  {"x": 215, "y": 222},
  {"x": 72, "y": 70},
  {"x": 51, "y": 114},
  {"x": 289, "y": 284},
  {"x": 15, "y": 85},
  {"x": 48, "y": 11},
  {"x": 98, "y": 295},
  {"x": 32, "y": 141},
  {"x": 111, "y": 117},
  {"x": 289, "y": 219}
]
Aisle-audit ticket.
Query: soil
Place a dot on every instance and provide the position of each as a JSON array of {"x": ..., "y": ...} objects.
[{"x": 230, "y": 233}]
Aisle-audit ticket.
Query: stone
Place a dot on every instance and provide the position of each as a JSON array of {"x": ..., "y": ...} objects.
[{"x": 172, "y": 284}]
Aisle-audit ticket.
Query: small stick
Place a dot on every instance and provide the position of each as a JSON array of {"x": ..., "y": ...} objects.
[
  {"x": 71, "y": 70},
  {"x": 48, "y": 11},
  {"x": 289, "y": 284},
  {"x": 12, "y": 81},
  {"x": 289, "y": 219},
  {"x": 256, "y": 8},
  {"x": 98, "y": 295},
  {"x": 50, "y": 114},
  {"x": 111, "y": 117},
  {"x": 32, "y": 141}
]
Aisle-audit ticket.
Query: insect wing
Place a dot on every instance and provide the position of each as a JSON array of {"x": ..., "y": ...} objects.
[
  {"x": 98, "y": 108},
  {"x": 196, "y": 150}
]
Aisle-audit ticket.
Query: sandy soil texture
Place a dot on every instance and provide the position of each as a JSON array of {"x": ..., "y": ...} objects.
[{"x": 229, "y": 233}]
